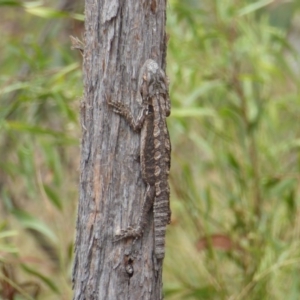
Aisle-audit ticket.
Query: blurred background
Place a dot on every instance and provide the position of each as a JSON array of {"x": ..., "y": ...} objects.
[{"x": 234, "y": 71}]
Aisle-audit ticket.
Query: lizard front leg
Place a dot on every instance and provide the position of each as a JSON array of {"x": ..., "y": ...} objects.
[
  {"x": 137, "y": 231},
  {"x": 123, "y": 110}
]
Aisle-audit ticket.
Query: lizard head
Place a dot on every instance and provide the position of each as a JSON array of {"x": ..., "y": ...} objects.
[{"x": 153, "y": 83}]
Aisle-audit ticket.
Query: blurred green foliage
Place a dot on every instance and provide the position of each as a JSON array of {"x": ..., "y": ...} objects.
[
  {"x": 234, "y": 73},
  {"x": 235, "y": 164},
  {"x": 40, "y": 86}
]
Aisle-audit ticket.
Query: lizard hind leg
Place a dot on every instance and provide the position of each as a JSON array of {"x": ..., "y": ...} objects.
[{"x": 137, "y": 231}]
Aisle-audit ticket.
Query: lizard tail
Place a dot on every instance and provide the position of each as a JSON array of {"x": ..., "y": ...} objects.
[{"x": 161, "y": 219}]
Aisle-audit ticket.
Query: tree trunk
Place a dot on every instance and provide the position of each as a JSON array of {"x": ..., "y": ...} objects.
[{"x": 119, "y": 37}]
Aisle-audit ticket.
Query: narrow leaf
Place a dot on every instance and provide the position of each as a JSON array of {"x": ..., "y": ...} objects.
[
  {"x": 254, "y": 6},
  {"x": 8, "y": 233},
  {"x": 30, "y": 222},
  {"x": 193, "y": 112},
  {"x": 46, "y": 13},
  {"x": 53, "y": 196},
  {"x": 45, "y": 279},
  {"x": 10, "y": 3}
]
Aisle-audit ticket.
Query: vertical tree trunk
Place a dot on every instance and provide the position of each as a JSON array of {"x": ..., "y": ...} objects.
[{"x": 119, "y": 37}]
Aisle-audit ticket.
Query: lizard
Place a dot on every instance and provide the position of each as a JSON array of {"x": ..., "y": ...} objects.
[{"x": 155, "y": 151}]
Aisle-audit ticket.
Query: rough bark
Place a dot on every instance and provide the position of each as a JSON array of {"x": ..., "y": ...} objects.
[{"x": 119, "y": 37}]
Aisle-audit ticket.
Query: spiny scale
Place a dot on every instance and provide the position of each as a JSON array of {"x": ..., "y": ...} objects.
[{"x": 155, "y": 151}]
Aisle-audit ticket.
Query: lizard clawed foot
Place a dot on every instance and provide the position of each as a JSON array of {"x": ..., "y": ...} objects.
[
  {"x": 130, "y": 232},
  {"x": 117, "y": 111},
  {"x": 116, "y": 105}
]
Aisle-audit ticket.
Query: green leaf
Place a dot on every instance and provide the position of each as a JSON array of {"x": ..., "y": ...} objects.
[
  {"x": 44, "y": 278},
  {"x": 204, "y": 88},
  {"x": 254, "y": 6},
  {"x": 8, "y": 233},
  {"x": 46, "y": 13},
  {"x": 32, "y": 4},
  {"x": 30, "y": 222},
  {"x": 283, "y": 186},
  {"x": 24, "y": 127},
  {"x": 233, "y": 163},
  {"x": 3, "y": 224},
  {"x": 64, "y": 71},
  {"x": 192, "y": 112},
  {"x": 168, "y": 291},
  {"x": 291, "y": 202},
  {"x": 78, "y": 17},
  {"x": 8, "y": 248},
  {"x": 206, "y": 292},
  {"x": 14, "y": 87},
  {"x": 10, "y": 3},
  {"x": 53, "y": 196}
]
